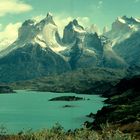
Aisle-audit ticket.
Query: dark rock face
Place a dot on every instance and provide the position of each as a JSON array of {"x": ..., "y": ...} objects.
[
  {"x": 66, "y": 98},
  {"x": 92, "y": 53},
  {"x": 123, "y": 86},
  {"x": 69, "y": 33},
  {"x": 91, "y": 115},
  {"x": 93, "y": 42},
  {"x": 31, "y": 61},
  {"x": 80, "y": 57},
  {"x": 27, "y": 31},
  {"x": 5, "y": 89}
]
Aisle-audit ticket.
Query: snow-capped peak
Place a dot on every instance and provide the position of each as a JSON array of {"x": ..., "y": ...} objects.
[
  {"x": 123, "y": 28},
  {"x": 121, "y": 20},
  {"x": 126, "y": 24},
  {"x": 74, "y": 24},
  {"x": 137, "y": 20},
  {"x": 49, "y": 19},
  {"x": 72, "y": 31},
  {"x": 49, "y": 14},
  {"x": 76, "y": 27},
  {"x": 129, "y": 21}
]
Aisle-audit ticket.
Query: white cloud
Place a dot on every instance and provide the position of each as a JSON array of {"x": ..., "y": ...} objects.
[
  {"x": 61, "y": 22},
  {"x": 0, "y": 26},
  {"x": 38, "y": 18},
  {"x": 100, "y": 4},
  {"x": 9, "y": 34},
  {"x": 10, "y": 31},
  {"x": 137, "y": 1},
  {"x": 13, "y": 7},
  {"x": 85, "y": 21},
  {"x": 96, "y": 7}
]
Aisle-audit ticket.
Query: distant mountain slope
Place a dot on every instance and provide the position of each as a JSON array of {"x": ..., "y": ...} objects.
[
  {"x": 129, "y": 49},
  {"x": 123, "y": 28},
  {"x": 124, "y": 37},
  {"x": 29, "y": 62}
]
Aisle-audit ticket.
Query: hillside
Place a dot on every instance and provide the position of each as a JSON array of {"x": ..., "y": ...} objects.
[
  {"x": 88, "y": 80},
  {"x": 123, "y": 109}
]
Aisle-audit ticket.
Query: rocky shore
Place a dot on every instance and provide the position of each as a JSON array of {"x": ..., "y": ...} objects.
[
  {"x": 5, "y": 89},
  {"x": 66, "y": 98},
  {"x": 123, "y": 109}
]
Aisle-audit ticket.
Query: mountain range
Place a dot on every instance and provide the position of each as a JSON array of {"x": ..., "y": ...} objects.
[{"x": 40, "y": 50}]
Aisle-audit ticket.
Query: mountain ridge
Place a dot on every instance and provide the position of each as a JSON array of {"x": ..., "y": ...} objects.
[{"x": 77, "y": 48}]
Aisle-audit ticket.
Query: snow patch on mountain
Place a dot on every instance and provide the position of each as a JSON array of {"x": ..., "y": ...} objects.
[
  {"x": 137, "y": 20},
  {"x": 78, "y": 30},
  {"x": 49, "y": 34},
  {"x": 122, "y": 29},
  {"x": 121, "y": 20},
  {"x": 42, "y": 43}
]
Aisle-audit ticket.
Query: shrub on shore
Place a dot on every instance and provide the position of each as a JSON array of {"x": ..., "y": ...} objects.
[{"x": 58, "y": 133}]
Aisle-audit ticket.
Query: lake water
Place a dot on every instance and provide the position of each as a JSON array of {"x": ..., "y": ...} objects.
[{"x": 30, "y": 109}]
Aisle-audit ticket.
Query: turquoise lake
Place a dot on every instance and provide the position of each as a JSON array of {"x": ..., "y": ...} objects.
[{"x": 30, "y": 109}]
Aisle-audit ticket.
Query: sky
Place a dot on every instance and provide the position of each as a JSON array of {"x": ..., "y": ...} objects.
[{"x": 99, "y": 12}]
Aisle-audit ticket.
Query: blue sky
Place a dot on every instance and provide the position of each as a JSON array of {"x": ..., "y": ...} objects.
[{"x": 99, "y": 12}]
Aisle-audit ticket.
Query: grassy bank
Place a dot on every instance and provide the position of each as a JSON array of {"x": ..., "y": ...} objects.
[{"x": 57, "y": 133}]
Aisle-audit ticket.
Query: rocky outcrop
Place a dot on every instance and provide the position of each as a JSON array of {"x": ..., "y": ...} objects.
[
  {"x": 123, "y": 110},
  {"x": 5, "y": 89},
  {"x": 80, "y": 57},
  {"x": 66, "y": 98}
]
